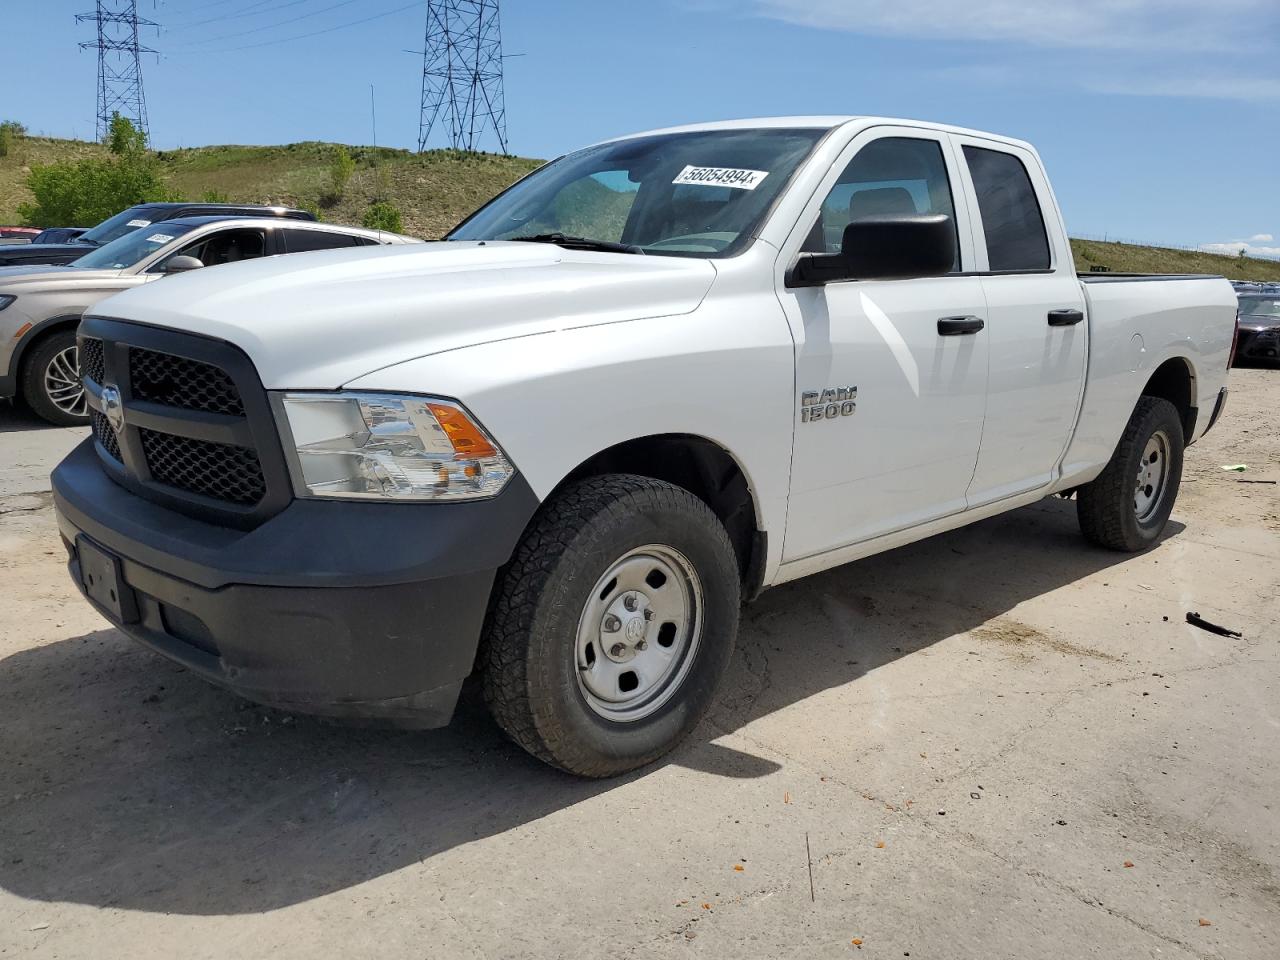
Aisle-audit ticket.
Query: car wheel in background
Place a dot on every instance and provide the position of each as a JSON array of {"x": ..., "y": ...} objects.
[{"x": 51, "y": 380}]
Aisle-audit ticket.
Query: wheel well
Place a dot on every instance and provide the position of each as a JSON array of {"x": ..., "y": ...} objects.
[
  {"x": 707, "y": 471},
  {"x": 46, "y": 329},
  {"x": 1174, "y": 381}
]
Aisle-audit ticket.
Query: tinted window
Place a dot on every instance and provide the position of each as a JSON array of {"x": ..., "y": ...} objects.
[
  {"x": 137, "y": 244},
  {"x": 298, "y": 241},
  {"x": 122, "y": 223},
  {"x": 1011, "y": 217},
  {"x": 228, "y": 246},
  {"x": 894, "y": 175}
]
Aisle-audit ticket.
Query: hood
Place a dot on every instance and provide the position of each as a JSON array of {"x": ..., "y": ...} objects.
[
  {"x": 43, "y": 252},
  {"x": 45, "y": 273},
  {"x": 319, "y": 320}
]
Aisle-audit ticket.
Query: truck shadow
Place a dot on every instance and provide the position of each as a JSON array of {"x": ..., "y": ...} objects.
[{"x": 130, "y": 784}]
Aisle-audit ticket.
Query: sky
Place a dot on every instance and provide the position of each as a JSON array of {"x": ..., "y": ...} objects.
[{"x": 1158, "y": 120}]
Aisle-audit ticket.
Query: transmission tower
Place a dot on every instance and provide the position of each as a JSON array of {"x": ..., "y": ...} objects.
[
  {"x": 119, "y": 62},
  {"x": 462, "y": 73}
]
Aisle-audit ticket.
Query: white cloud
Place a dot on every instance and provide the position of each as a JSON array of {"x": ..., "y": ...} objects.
[
  {"x": 1262, "y": 238},
  {"x": 1205, "y": 83},
  {"x": 1185, "y": 25},
  {"x": 1251, "y": 249}
]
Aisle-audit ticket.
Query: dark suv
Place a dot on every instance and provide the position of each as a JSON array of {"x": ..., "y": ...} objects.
[{"x": 143, "y": 215}]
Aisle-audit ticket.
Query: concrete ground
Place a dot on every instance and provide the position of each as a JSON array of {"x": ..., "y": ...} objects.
[{"x": 1000, "y": 743}]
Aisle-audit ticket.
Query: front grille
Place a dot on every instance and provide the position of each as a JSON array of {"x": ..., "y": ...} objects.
[
  {"x": 216, "y": 470},
  {"x": 103, "y": 433},
  {"x": 180, "y": 382},
  {"x": 198, "y": 433},
  {"x": 91, "y": 365}
]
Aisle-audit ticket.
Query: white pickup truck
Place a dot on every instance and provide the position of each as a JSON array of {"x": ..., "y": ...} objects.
[{"x": 651, "y": 379}]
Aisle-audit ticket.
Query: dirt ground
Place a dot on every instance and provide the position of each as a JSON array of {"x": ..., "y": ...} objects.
[{"x": 1000, "y": 743}]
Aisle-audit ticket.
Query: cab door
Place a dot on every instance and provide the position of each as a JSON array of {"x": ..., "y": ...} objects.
[
  {"x": 1036, "y": 327},
  {"x": 897, "y": 368}
]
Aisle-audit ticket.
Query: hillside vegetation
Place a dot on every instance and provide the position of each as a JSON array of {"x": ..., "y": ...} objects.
[{"x": 434, "y": 190}]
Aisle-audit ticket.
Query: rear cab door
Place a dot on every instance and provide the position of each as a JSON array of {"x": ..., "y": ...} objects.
[{"x": 1035, "y": 309}]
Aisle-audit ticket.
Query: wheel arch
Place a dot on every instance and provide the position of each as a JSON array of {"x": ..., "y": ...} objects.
[
  {"x": 707, "y": 470},
  {"x": 1175, "y": 380},
  {"x": 37, "y": 333}
]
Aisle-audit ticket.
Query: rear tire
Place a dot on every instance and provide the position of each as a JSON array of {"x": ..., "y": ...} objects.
[
  {"x": 612, "y": 625},
  {"x": 51, "y": 380},
  {"x": 1127, "y": 506}
]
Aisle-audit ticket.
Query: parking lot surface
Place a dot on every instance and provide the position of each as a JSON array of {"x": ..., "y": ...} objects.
[{"x": 998, "y": 743}]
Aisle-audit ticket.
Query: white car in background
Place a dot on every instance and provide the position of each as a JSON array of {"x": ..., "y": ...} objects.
[{"x": 40, "y": 306}]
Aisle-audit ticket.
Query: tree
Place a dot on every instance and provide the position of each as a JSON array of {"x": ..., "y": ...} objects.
[
  {"x": 124, "y": 139},
  {"x": 383, "y": 216},
  {"x": 11, "y": 132},
  {"x": 88, "y": 191},
  {"x": 340, "y": 170}
]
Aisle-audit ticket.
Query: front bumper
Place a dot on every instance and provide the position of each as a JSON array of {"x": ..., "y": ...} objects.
[{"x": 338, "y": 608}]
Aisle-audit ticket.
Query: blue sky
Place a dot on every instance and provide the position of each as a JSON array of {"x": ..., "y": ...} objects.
[{"x": 1158, "y": 119}]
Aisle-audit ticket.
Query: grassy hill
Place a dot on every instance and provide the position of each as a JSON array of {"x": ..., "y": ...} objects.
[{"x": 435, "y": 190}]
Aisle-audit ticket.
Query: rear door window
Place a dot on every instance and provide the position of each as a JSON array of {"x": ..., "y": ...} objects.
[
  {"x": 1011, "y": 215},
  {"x": 299, "y": 241}
]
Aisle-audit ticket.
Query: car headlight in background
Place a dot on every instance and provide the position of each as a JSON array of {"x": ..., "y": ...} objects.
[
  {"x": 6, "y": 299},
  {"x": 391, "y": 446}
]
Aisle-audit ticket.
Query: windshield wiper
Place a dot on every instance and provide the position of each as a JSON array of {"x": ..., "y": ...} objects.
[{"x": 581, "y": 243}]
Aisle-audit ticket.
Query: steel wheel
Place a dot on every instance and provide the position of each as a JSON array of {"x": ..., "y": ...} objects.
[
  {"x": 1153, "y": 475},
  {"x": 639, "y": 632},
  {"x": 62, "y": 383}
]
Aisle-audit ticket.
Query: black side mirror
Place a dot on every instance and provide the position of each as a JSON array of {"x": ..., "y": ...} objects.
[
  {"x": 889, "y": 247},
  {"x": 180, "y": 265}
]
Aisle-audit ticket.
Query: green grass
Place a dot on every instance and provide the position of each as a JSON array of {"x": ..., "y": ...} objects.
[{"x": 435, "y": 190}]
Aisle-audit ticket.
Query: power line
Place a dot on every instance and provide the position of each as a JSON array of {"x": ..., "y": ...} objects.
[
  {"x": 250, "y": 11},
  {"x": 278, "y": 23},
  {"x": 119, "y": 63},
  {"x": 304, "y": 36},
  {"x": 462, "y": 73}
]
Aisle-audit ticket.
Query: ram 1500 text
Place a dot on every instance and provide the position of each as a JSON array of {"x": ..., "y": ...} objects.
[{"x": 652, "y": 378}]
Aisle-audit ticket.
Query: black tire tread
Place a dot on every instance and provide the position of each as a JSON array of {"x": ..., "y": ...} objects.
[
  {"x": 522, "y": 588},
  {"x": 1100, "y": 504}
]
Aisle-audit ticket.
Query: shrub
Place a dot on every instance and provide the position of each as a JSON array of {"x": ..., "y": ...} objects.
[
  {"x": 123, "y": 138},
  {"x": 215, "y": 196},
  {"x": 11, "y": 131},
  {"x": 88, "y": 191},
  {"x": 341, "y": 169},
  {"x": 383, "y": 216},
  {"x": 311, "y": 207}
]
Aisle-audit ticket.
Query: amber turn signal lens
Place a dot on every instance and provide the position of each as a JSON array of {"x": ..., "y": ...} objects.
[{"x": 465, "y": 436}]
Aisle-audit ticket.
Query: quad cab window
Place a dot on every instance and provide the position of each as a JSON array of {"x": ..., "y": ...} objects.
[
  {"x": 889, "y": 176},
  {"x": 1011, "y": 216}
]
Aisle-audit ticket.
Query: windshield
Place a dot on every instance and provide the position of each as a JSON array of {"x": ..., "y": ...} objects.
[
  {"x": 697, "y": 194},
  {"x": 132, "y": 247},
  {"x": 1259, "y": 307},
  {"x": 118, "y": 226}
]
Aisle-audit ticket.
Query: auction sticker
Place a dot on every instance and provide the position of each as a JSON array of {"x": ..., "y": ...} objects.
[
  {"x": 722, "y": 177},
  {"x": 159, "y": 238},
  {"x": 138, "y": 223}
]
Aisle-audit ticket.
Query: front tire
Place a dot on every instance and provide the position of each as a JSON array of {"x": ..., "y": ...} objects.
[
  {"x": 612, "y": 625},
  {"x": 1127, "y": 506},
  {"x": 51, "y": 380}
]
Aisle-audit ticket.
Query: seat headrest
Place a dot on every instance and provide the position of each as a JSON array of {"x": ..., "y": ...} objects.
[{"x": 881, "y": 201}]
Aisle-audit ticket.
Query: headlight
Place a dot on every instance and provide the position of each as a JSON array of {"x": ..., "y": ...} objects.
[
  {"x": 6, "y": 299},
  {"x": 391, "y": 446}
]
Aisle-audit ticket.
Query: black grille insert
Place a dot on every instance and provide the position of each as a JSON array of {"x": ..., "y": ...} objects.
[
  {"x": 216, "y": 470},
  {"x": 91, "y": 363},
  {"x": 179, "y": 382},
  {"x": 103, "y": 433}
]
